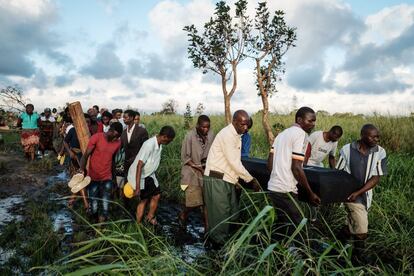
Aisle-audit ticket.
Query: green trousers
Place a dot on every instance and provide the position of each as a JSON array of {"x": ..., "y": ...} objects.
[{"x": 222, "y": 208}]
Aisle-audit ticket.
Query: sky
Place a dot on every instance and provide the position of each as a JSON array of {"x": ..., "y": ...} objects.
[{"x": 350, "y": 56}]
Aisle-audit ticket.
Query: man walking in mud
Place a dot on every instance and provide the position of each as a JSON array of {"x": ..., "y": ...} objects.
[
  {"x": 132, "y": 140},
  {"x": 101, "y": 149},
  {"x": 141, "y": 174},
  {"x": 223, "y": 169},
  {"x": 194, "y": 150}
]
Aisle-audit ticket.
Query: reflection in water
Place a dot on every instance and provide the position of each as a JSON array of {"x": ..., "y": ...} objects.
[{"x": 7, "y": 205}]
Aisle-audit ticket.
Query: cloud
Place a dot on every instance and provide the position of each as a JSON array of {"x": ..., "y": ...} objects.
[
  {"x": 105, "y": 65},
  {"x": 337, "y": 50},
  {"x": 121, "y": 98},
  {"x": 79, "y": 93},
  {"x": 168, "y": 19},
  {"x": 40, "y": 79},
  {"x": 155, "y": 66},
  {"x": 307, "y": 77},
  {"x": 335, "y": 26},
  {"x": 25, "y": 27},
  {"x": 370, "y": 67},
  {"x": 387, "y": 24},
  {"x": 109, "y": 5},
  {"x": 64, "y": 80}
]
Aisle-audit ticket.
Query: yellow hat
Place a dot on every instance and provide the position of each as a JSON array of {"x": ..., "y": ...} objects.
[
  {"x": 128, "y": 191},
  {"x": 62, "y": 160}
]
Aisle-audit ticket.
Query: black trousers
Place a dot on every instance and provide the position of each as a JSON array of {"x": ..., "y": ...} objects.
[{"x": 288, "y": 214}]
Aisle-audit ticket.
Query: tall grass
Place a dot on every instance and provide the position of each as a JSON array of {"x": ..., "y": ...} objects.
[{"x": 124, "y": 247}]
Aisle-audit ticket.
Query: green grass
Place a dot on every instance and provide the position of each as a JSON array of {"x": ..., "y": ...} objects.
[
  {"x": 125, "y": 248},
  {"x": 33, "y": 239}
]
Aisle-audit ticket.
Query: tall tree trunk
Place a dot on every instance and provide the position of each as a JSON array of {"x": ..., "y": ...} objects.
[
  {"x": 265, "y": 118},
  {"x": 265, "y": 112},
  {"x": 227, "y": 98},
  {"x": 227, "y": 111}
]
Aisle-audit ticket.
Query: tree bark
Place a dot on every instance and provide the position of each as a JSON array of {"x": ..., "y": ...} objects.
[
  {"x": 227, "y": 98},
  {"x": 265, "y": 118},
  {"x": 265, "y": 112}
]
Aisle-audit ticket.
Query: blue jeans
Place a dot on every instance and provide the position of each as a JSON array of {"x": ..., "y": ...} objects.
[{"x": 100, "y": 191}]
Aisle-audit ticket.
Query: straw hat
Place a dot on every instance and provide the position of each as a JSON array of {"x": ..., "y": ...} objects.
[
  {"x": 128, "y": 190},
  {"x": 80, "y": 185},
  {"x": 75, "y": 179}
]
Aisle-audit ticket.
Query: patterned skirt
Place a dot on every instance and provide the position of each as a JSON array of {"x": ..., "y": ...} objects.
[{"x": 30, "y": 139}]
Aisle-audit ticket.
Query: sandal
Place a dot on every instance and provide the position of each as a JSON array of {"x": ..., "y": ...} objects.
[{"x": 153, "y": 221}]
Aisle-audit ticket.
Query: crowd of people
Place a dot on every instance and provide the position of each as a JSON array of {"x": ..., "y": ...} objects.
[{"x": 121, "y": 154}]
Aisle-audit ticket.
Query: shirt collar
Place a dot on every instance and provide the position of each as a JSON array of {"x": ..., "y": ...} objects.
[
  {"x": 233, "y": 131},
  {"x": 156, "y": 146},
  {"x": 131, "y": 129},
  {"x": 355, "y": 145}
]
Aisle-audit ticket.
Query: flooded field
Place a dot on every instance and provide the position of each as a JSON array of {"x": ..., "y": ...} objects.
[{"x": 68, "y": 228}]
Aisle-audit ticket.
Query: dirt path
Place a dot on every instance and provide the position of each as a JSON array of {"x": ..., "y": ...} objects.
[{"x": 18, "y": 176}]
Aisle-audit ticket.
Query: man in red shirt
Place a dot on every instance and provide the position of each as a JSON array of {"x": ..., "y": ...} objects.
[{"x": 101, "y": 149}]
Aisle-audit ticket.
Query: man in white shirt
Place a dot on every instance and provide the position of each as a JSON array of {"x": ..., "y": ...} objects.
[
  {"x": 286, "y": 160},
  {"x": 223, "y": 169},
  {"x": 141, "y": 174},
  {"x": 321, "y": 144}
]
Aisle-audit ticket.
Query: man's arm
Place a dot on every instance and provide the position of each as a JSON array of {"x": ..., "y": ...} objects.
[
  {"x": 186, "y": 155},
  {"x": 371, "y": 183},
  {"x": 138, "y": 178},
  {"x": 300, "y": 176},
  {"x": 270, "y": 160},
  {"x": 307, "y": 154},
  {"x": 85, "y": 158},
  {"x": 332, "y": 161}
]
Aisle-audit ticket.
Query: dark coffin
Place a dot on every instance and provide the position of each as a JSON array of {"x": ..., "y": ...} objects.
[{"x": 329, "y": 184}]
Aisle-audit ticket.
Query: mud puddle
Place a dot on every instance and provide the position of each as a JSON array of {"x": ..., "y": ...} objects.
[
  {"x": 188, "y": 241},
  {"x": 9, "y": 209}
]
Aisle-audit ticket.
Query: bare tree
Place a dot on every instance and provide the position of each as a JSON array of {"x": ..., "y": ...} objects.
[
  {"x": 221, "y": 46},
  {"x": 12, "y": 98}
]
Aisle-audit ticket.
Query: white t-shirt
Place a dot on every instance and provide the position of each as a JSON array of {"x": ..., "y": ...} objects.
[
  {"x": 289, "y": 144},
  {"x": 150, "y": 155},
  {"x": 320, "y": 149}
]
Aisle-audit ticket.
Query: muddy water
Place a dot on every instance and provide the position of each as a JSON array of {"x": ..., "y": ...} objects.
[
  {"x": 9, "y": 208},
  {"x": 187, "y": 242},
  {"x": 9, "y": 211}
]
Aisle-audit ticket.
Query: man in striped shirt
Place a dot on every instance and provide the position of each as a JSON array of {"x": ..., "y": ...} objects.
[{"x": 366, "y": 161}]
